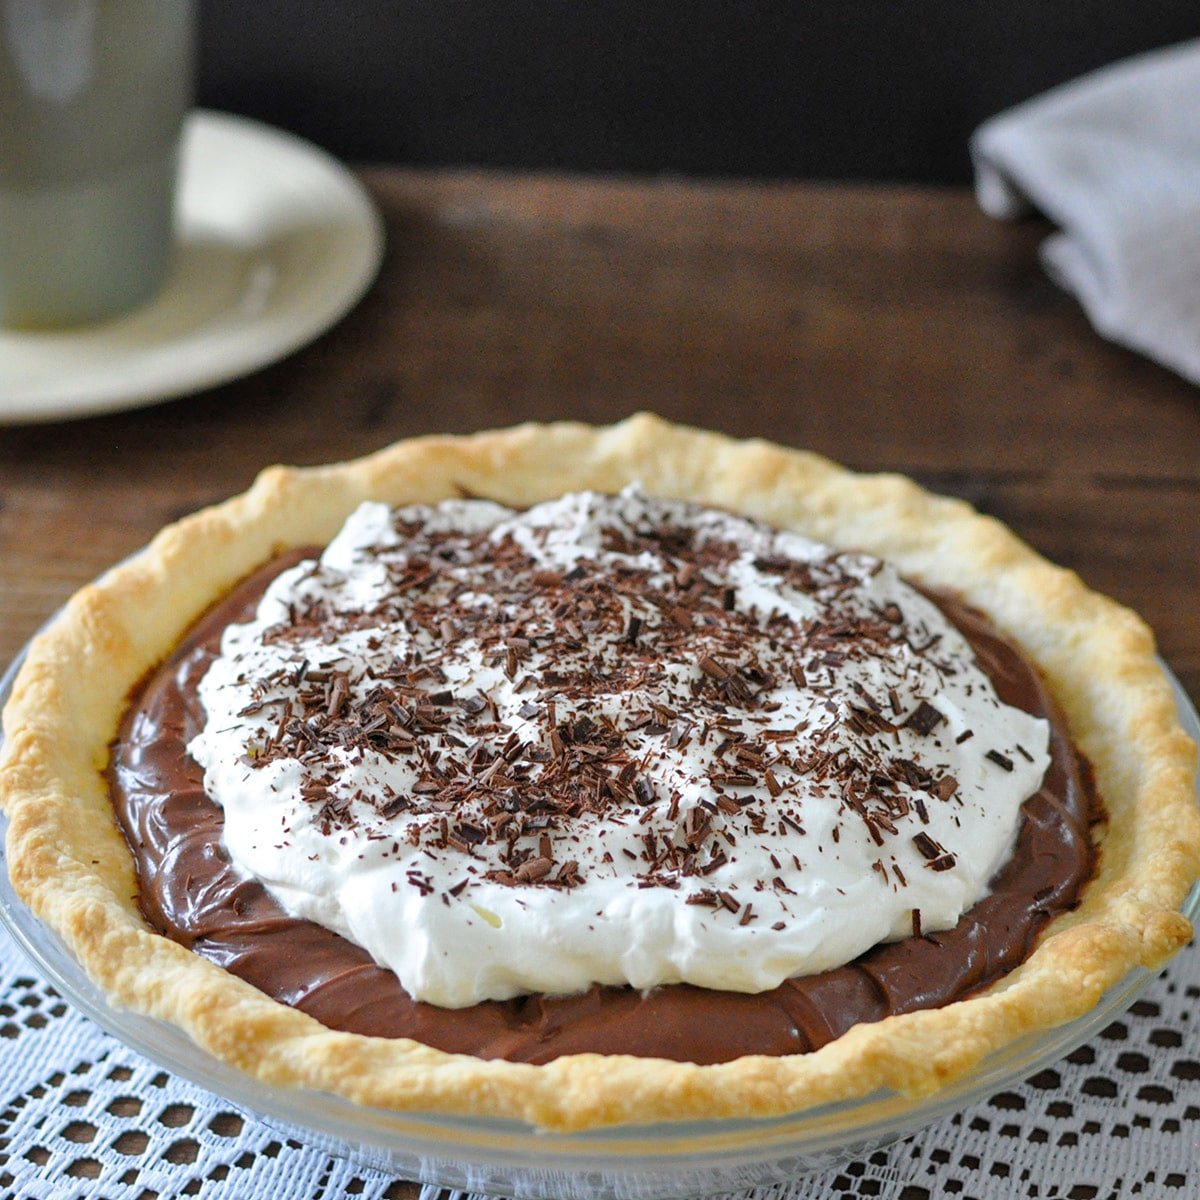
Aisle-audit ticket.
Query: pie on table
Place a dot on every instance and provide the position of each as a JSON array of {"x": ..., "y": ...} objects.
[{"x": 591, "y": 776}]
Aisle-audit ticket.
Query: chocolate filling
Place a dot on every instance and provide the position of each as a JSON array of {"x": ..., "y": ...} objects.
[{"x": 190, "y": 893}]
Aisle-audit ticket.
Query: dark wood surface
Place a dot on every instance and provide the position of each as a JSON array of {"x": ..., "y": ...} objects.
[{"x": 890, "y": 328}]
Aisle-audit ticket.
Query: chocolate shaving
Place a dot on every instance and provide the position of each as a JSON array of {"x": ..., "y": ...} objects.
[
  {"x": 924, "y": 719},
  {"x": 927, "y": 846},
  {"x": 534, "y": 869},
  {"x": 944, "y": 788},
  {"x": 1001, "y": 760}
]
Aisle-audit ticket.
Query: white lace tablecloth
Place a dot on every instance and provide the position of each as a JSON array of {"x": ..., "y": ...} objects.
[{"x": 82, "y": 1116}]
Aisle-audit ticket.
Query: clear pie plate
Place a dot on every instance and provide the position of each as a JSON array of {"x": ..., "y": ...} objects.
[{"x": 510, "y": 1158}]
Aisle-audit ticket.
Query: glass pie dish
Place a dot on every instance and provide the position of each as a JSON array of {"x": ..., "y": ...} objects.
[{"x": 510, "y": 1158}]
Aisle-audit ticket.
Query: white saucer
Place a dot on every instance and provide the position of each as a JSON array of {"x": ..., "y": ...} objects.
[{"x": 277, "y": 240}]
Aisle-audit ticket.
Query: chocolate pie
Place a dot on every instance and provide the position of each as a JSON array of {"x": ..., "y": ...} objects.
[{"x": 594, "y": 776}]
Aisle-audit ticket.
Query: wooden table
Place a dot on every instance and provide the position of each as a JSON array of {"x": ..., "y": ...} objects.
[{"x": 890, "y": 328}]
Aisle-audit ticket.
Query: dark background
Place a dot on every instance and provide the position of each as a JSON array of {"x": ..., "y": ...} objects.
[{"x": 852, "y": 89}]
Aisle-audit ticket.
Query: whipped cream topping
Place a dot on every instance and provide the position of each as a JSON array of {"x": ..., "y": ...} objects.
[{"x": 608, "y": 740}]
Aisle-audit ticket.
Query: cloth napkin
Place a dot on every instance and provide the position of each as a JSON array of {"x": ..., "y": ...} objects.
[{"x": 1114, "y": 160}]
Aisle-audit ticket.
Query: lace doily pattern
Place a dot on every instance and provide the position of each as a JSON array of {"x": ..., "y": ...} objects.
[{"x": 82, "y": 1116}]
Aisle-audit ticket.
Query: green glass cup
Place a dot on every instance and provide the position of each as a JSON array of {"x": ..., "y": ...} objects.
[{"x": 93, "y": 94}]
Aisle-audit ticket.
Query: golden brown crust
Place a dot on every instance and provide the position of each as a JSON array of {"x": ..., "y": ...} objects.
[{"x": 69, "y": 862}]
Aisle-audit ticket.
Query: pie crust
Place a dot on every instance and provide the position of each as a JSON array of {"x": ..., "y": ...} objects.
[{"x": 70, "y": 864}]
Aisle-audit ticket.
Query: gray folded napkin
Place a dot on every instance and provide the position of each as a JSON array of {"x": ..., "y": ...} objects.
[{"x": 1114, "y": 160}]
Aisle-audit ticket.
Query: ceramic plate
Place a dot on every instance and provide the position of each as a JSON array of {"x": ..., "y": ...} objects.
[{"x": 277, "y": 240}]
